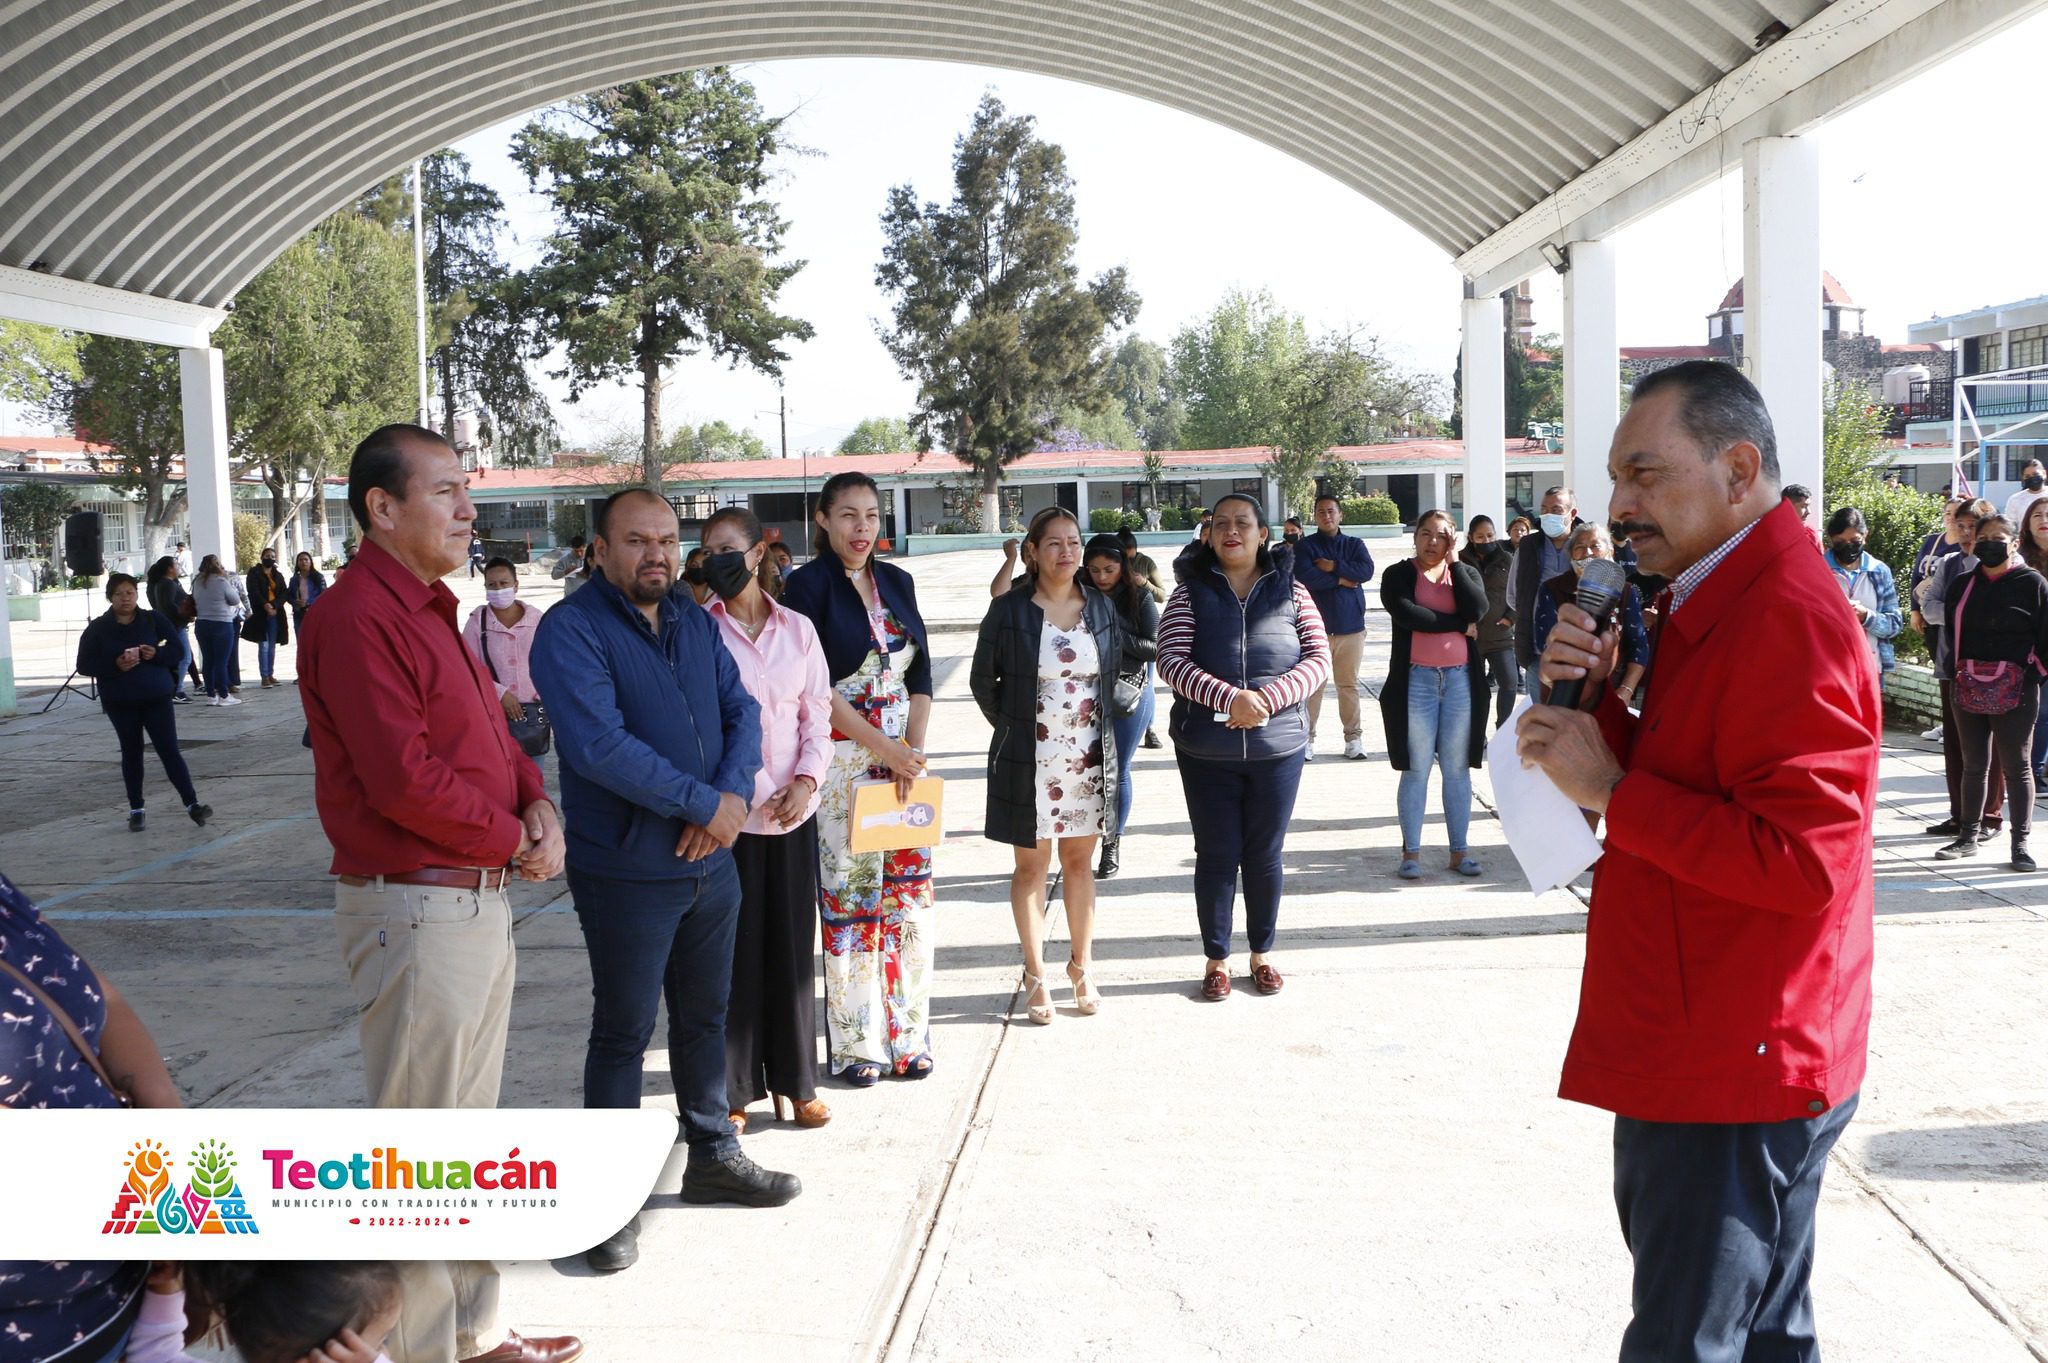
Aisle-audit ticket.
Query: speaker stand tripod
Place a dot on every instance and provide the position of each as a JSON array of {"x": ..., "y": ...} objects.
[{"x": 91, "y": 691}]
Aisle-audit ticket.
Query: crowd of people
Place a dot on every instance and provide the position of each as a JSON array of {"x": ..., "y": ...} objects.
[{"x": 713, "y": 718}]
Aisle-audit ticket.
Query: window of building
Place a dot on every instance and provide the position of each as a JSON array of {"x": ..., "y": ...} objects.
[
  {"x": 340, "y": 525},
  {"x": 694, "y": 506},
  {"x": 1981, "y": 354},
  {"x": 1250, "y": 487},
  {"x": 113, "y": 525},
  {"x": 1521, "y": 497},
  {"x": 1182, "y": 495},
  {"x": 2026, "y": 347}
]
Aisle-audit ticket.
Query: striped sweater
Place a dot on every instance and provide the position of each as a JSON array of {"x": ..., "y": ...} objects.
[{"x": 1178, "y": 670}]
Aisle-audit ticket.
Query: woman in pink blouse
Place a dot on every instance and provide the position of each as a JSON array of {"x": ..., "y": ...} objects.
[
  {"x": 770, "y": 1039},
  {"x": 500, "y": 632}
]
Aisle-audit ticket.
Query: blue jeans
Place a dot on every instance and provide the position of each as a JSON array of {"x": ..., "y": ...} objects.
[
  {"x": 1239, "y": 811},
  {"x": 1129, "y": 729},
  {"x": 1718, "y": 1217},
  {"x": 216, "y": 649},
  {"x": 266, "y": 652},
  {"x": 2040, "y": 753},
  {"x": 1439, "y": 734},
  {"x": 181, "y": 640},
  {"x": 655, "y": 941}
]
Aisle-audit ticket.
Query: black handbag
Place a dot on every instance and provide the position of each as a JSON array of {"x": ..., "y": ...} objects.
[
  {"x": 531, "y": 731},
  {"x": 1130, "y": 692}
]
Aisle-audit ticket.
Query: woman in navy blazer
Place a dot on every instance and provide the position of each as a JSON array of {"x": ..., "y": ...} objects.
[{"x": 877, "y": 906}]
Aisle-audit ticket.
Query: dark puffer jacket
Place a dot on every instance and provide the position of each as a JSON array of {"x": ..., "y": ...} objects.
[{"x": 1004, "y": 679}]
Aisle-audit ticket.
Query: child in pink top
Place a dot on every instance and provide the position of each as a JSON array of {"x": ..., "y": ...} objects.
[{"x": 294, "y": 1312}]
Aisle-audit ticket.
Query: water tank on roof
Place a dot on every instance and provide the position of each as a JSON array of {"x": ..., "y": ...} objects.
[{"x": 1898, "y": 383}]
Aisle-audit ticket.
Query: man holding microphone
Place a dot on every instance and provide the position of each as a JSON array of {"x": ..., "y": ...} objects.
[{"x": 1725, "y": 1006}]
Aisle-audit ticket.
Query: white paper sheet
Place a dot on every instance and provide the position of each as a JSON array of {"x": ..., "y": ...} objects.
[{"x": 1546, "y": 832}]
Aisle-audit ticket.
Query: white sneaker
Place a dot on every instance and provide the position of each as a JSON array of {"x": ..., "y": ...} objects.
[
  {"x": 213, "y": 700},
  {"x": 1932, "y": 735},
  {"x": 231, "y": 700},
  {"x": 1310, "y": 755},
  {"x": 1355, "y": 750}
]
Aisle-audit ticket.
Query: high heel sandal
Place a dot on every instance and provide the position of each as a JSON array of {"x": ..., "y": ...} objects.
[
  {"x": 1086, "y": 998},
  {"x": 810, "y": 1115},
  {"x": 1032, "y": 985},
  {"x": 739, "y": 1121}
]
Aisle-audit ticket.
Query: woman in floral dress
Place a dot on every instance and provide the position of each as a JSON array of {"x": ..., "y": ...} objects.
[
  {"x": 1045, "y": 676},
  {"x": 877, "y": 906}
]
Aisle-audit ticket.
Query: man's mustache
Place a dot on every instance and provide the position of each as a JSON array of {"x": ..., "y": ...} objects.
[{"x": 1622, "y": 530}]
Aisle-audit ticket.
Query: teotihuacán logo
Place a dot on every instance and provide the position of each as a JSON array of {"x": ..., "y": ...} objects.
[{"x": 150, "y": 1202}]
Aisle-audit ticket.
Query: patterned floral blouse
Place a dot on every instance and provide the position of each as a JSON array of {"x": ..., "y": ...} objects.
[{"x": 46, "y": 1307}]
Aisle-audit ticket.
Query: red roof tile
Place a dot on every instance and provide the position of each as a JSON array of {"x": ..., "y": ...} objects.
[{"x": 1831, "y": 291}]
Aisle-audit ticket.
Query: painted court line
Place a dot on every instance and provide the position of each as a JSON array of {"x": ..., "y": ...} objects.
[{"x": 178, "y": 858}]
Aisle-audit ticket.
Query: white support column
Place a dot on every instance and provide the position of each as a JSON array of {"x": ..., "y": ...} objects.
[
  {"x": 1781, "y": 297},
  {"x": 203, "y": 390},
  {"x": 1081, "y": 505},
  {"x": 1592, "y": 371},
  {"x": 6, "y": 635},
  {"x": 900, "y": 499},
  {"x": 1439, "y": 496},
  {"x": 1485, "y": 409}
]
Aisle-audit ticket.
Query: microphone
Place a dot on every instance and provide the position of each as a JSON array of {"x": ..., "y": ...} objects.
[{"x": 1602, "y": 587}]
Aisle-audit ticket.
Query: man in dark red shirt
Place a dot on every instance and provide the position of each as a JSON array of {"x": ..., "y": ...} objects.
[
  {"x": 1725, "y": 1009},
  {"x": 431, "y": 808}
]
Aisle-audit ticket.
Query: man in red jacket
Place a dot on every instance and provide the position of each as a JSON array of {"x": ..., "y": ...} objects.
[{"x": 1726, "y": 1000}]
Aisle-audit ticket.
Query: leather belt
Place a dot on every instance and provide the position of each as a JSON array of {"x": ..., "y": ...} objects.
[{"x": 460, "y": 878}]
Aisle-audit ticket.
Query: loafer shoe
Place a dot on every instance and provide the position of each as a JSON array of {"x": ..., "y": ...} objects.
[{"x": 517, "y": 1349}]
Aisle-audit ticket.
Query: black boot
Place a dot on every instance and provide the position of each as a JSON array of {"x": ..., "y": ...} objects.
[
  {"x": 1106, "y": 868},
  {"x": 1947, "y": 828},
  {"x": 1151, "y": 740},
  {"x": 738, "y": 1180},
  {"x": 621, "y": 1251},
  {"x": 1965, "y": 845},
  {"x": 2020, "y": 860}
]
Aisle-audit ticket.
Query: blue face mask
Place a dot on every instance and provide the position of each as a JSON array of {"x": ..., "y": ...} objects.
[{"x": 1554, "y": 524}]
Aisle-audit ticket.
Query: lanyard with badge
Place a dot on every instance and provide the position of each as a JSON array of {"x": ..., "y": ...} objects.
[{"x": 896, "y": 709}]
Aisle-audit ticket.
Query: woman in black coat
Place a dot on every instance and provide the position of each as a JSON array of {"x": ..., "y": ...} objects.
[
  {"x": 1436, "y": 686},
  {"x": 1044, "y": 675},
  {"x": 131, "y": 651},
  {"x": 1111, "y": 572}
]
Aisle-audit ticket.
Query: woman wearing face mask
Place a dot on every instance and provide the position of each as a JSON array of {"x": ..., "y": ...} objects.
[
  {"x": 1998, "y": 627},
  {"x": 693, "y": 575},
  {"x": 1242, "y": 646},
  {"x": 1936, "y": 605},
  {"x": 1589, "y": 542},
  {"x": 877, "y": 906},
  {"x": 1044, "y": 675},
  {"x": 769, "y": 1048},
  {"x": 1867, "y": 582},
  {"x": 1111, "y": 572},
  {"x": 2033, "y": 551},
  {"x": 500, "y": 633},
  {"x": 1436, "y": 684},
  {"x": 1494, "y": 561},
  {"x": 2032, "y": 489}
]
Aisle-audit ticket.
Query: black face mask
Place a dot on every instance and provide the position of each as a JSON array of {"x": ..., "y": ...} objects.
[
  {"x": 726, "y": 574},
  {"x": 1292, "y": 537},
  {"x": 2034, "y": 482},
  {"x": 694, "y": 574},
  {"x": 1847, "y": 551},
  {"x": 1992, "y": 553}
]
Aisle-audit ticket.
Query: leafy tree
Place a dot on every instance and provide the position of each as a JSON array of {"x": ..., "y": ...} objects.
[
  {"x": 1314, "y": 396},
  {"x": 126, "y": 397},
  {"x": 1155, "y": 474},
  {"x": 1139, "y": 377},
  {"x": 666, "y": 242},
  {"x": 1080, "y": 428},
  {"x": 1543, "y": 382},
  {"x": 877, "y": 435},
  {"x": 320, "y": 351},
  {"x": 713, "y": 442},
  {"x": 33, "y": 512},
  {"x": 1854, "y": 457},
  {"x": 33, "y": 359},
  {"x": 990, "y": 317},
  {"x": 1228, "y": 371}
]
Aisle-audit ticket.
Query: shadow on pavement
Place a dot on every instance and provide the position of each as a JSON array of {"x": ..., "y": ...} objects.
[{"x": 1997, "y": 1152}]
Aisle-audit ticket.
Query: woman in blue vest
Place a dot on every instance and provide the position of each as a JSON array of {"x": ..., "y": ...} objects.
[
  {"x": 1436, "y": 684},
  {"x": 1242, "y": 647},
  {"x": 877, "y": 906}
]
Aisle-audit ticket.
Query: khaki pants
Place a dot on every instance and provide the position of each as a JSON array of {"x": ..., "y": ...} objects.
[
  {"x": 1347, "y": 651},
  {"x": 432, "y": 969}
]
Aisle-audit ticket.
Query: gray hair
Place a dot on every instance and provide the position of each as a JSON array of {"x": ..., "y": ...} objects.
[{"x": 1718, "y": 407}]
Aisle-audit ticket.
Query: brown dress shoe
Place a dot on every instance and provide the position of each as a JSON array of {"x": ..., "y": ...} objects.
[
  {"x": 1216, "y": 986},
  {"x": 516, "y": 1349},
  {"x": 1267, "y": 979}
]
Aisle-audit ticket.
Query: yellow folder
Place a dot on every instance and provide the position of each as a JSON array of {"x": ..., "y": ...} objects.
[{"x": 882, "y": 823}]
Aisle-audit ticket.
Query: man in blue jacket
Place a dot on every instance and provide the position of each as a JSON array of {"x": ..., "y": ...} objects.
[
  {"x": 1335, "y": 567},
  {"x": 660, "y": 743}
]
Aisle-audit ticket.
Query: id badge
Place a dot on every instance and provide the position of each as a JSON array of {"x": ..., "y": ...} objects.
[{"x": 893, "y": 717}]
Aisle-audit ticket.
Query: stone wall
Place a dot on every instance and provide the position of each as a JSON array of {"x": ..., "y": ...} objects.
[{"x": 1912, "y": 698}]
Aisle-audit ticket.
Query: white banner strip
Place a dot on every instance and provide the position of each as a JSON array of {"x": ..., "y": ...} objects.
[{"x": 391, "y": 1183}]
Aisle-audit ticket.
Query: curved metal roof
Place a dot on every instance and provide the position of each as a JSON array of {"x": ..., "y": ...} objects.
[{"x": 173, "y": 147}]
